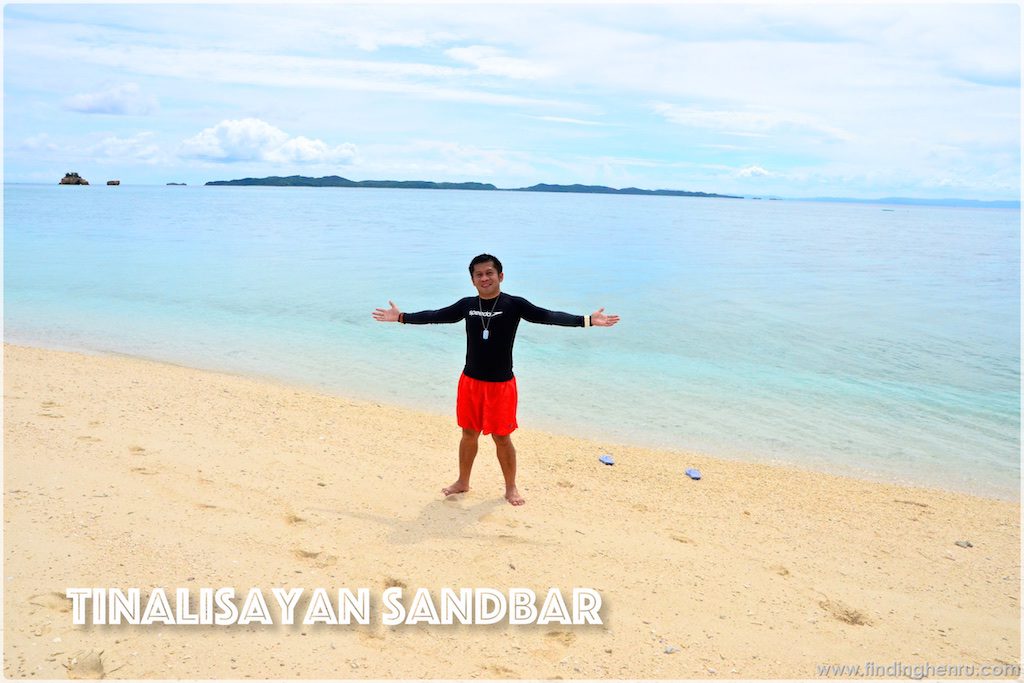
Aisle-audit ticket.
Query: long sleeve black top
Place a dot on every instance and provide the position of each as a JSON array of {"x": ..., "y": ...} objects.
[{"x": 489, "y": 356}]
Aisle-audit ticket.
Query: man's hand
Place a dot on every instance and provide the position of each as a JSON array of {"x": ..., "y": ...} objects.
[
  {"x": 599, "y": 319},
  {"x": 389, "y": 315}
]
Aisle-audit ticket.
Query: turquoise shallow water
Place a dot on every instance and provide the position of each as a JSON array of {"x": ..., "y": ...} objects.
[{"x": 884, "y": 344}]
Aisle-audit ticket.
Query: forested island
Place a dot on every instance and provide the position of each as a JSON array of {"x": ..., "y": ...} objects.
[{"x": 338, "y": 181}]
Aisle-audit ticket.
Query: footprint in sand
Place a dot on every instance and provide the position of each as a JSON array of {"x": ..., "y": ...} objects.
[
  {"x": 292, "y": 518},
  {"x": 86, "y": 665},
  {"x": 318, "y": 558},
  {"x": 144, "y": 470},
  {"x": 498, "y": 671},
  {"x": 206, "y": 506},
  {"x": 392, "y": 582},
  {"x": 491, "y": 518},
  {"x": 565, "y": 484},
  {"x": 137, "y": 450},
  {"x": 844, "y": 613},
  {"x": 779, "y": 569},
  {"x": 55, "y": 601},
  {"x": 510, "y": 539},
  {"x": 373, "y": 638},
  {"x": 48, "y": 406},
  {"x": 565, "y": 638},
  {"x": 680, "y": 538}
]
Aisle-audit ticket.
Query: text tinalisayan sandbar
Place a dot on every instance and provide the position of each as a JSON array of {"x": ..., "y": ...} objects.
[{"x": 343, "y": 606}]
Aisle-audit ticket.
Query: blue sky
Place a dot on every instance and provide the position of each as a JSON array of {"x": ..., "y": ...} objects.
[{"x": 869, "y": 100}]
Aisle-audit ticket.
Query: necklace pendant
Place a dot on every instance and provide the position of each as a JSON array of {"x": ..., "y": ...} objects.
[{"x": 486, "y": 334}]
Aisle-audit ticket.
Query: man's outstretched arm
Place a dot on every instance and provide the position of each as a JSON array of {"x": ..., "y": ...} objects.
[
  {"x": 448, "y": 314},
  {"x": 536, "y": 314}
]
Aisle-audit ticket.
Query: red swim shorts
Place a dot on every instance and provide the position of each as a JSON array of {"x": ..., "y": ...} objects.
[{"x": 488, "y": 407}]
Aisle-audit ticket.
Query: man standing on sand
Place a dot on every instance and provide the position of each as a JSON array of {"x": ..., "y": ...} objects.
[{"x": 487, "y": 388}]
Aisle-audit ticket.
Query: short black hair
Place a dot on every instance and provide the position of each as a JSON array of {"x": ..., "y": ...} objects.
[{"x": 484, "y": 258}]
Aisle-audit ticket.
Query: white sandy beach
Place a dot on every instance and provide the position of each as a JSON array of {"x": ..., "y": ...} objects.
[{"x": 127, "y": 473}]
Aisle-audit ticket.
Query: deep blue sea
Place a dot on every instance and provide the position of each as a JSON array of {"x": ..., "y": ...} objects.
[{"x": 878, "y": 341}]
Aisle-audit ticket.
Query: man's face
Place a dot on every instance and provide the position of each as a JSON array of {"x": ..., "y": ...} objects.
[{"x": 487, "y": 280}]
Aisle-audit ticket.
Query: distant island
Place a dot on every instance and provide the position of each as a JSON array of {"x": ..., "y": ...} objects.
[
  {"x": 601, "y": 189},
  {"x": 73, "y": 178},
  {"x": 338, "y": 181}
]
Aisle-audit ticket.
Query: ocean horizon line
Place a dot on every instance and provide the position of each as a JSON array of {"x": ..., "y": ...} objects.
[{"x": 950, "y": 202}]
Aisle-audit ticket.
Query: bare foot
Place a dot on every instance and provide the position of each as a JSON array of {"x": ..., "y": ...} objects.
[
  {"x": 513, "y": 497},
  {"x": 457, "y": 487}
]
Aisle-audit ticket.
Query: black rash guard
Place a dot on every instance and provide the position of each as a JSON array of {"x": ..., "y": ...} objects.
[{"x": 490, "y": 359}]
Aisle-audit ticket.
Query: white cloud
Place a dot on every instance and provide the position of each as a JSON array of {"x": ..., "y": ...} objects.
[
  {"x": 106, "y": 148},
  {"x": 247, "y": 67},
  {"x": 120, "y": 99},
  {"x": 38, "y": 143},
  {"x": 492, "y": 62},
  {"x": 728, "y": 148},
  {"x": 256, "y": 140},
  {"x": 566, "y": 119},
  {"x": 751, "y": 122},
  {"x": 371, "y": 40},
  {"x": 752, "y": 172},
  {"x": 138, "y": 147}
]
